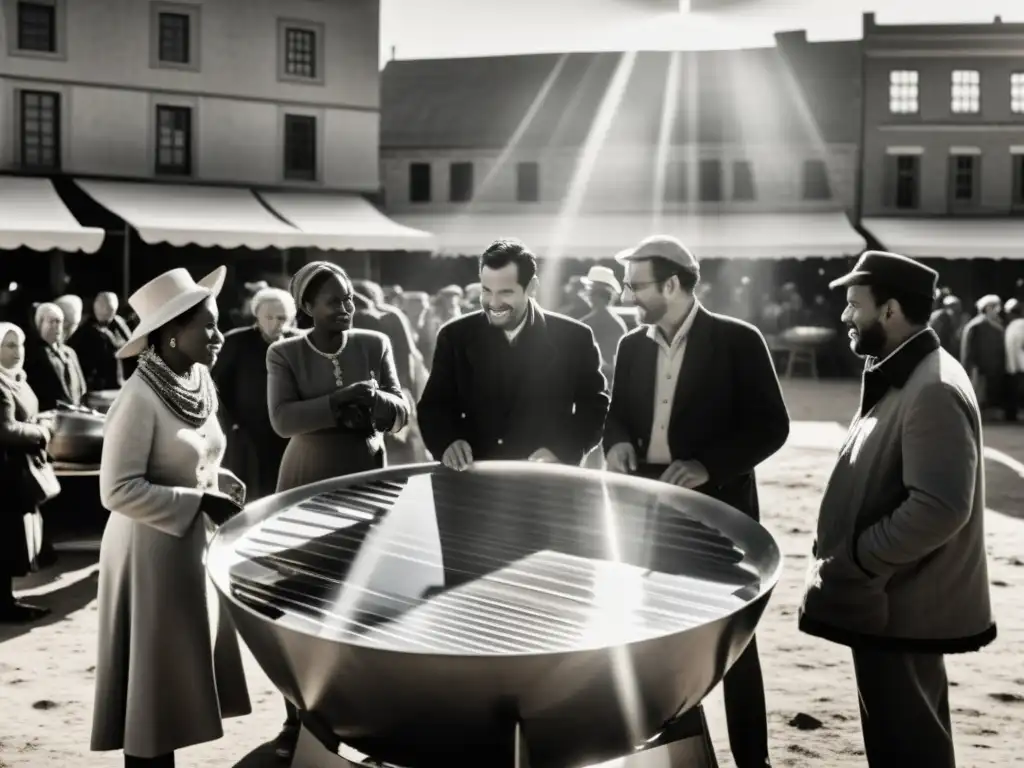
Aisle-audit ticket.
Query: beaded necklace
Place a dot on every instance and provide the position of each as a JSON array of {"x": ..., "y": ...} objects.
[
  {"x": 192, "y": 398},
  {"x": 334, "y": 357}
]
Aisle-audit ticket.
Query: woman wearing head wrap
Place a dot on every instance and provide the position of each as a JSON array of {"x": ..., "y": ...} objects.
[
  {"x": 21, "y": 526},
  {"x": 333, "y": 392},
  {"x": 160, "y": 685}
]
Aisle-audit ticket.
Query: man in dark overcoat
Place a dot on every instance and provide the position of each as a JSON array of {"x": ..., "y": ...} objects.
[
  {"x": 696, "y": 403},
  {"x": 899, "y": 572},
  {"x": 512, "y": 381}
]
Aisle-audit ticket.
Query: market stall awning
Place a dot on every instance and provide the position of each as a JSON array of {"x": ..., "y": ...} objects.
[
  {"x": 32, "y": 215},
  {"x": 186, "y": 214},
  {"x": 956, "y": 238},
  {"x": 601, "y": 236},
  {"x": 344, "y": 222}
]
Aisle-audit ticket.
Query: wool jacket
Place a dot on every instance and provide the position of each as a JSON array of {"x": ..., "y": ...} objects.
[{"x": 899, "y": 559}]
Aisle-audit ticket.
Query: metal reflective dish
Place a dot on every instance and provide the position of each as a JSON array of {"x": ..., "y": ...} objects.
[
  {"x": 101, "y": 399},
  {"x": 421, "y": 612},
  {"x": 77, "y": 435}
]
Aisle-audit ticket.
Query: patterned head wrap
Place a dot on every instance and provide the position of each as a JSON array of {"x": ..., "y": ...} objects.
[{"x": 300, "y": 280}]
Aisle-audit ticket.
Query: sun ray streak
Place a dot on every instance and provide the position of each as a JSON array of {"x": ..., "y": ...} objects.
[
  {"x": 524, "y": 124},
  {"x": 587, "y": 160},
  {"x": 662, "y": 156}
]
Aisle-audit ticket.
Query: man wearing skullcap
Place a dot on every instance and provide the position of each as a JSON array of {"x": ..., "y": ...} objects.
[
  {"x": 696, "y": 403},
  {"x": 983, "y": 352},
  {"x": 899, "y": 571}
]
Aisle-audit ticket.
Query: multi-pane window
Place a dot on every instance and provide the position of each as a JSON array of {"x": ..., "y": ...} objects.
[
  {"x": 528, "y": 182},
  {"x": 1018, "y": 180},
  {"x": 300, "y": 147},
  {"x": 710, "y": 181},
  {"x": 815, "y": 181},
  {"x": 300, "y": 52},
  {"x": 173, "y": 38},
  {"x": 963, "y": 183},
  {"x": 40, "y": 130},
  {"x": 419, "y": 183},
  {"x": 742, "y": 180},
  {"x": 37, "y": 27},
  {"x": 1017, "y": 93},
  {"x": 905, "y": 181},
  {"x": 675, "y": 181},
  {"x": 174, "y": 141},
  {"x": 903, "y": 92},
  {"x": 460, "y": 182},
  {"x": 965, "y": 92}
]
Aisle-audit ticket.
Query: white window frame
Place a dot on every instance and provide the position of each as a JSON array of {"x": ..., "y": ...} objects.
[
  {"x": 904, "y": 92},
  {"x": 965, "y": 92}
]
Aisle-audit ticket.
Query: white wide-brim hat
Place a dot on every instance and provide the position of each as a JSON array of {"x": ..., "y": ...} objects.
[
  {"x": 602, "y": 276},
  {"x": 164, "y": 298}
]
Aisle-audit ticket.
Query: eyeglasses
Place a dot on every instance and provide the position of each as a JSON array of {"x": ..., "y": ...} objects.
[{"x": 634, "y": 287}]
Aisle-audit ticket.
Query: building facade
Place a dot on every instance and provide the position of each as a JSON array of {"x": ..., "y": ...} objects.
[
  {"x": 272, "y": 93},
  {"x": 584, "y": 153},
  {"x": 944, "y": 120}
]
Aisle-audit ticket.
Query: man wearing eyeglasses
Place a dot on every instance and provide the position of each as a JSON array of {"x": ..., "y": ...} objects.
[{"x": 696, "y": 403}]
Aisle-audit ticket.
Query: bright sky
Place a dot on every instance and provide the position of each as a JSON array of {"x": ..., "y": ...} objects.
[{"x": 452, "y": 28}]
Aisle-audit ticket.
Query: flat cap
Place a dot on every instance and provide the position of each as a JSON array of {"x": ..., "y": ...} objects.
[
  {"x": 988, "y": 300},
  {"x": 665, "y": 246},
  {"x": 892, "y": 271}
]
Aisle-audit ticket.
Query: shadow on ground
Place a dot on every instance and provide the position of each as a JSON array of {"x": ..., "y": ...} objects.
[
  {"x": 261, "y": 757},
  {"x": 62, "y": 602}
]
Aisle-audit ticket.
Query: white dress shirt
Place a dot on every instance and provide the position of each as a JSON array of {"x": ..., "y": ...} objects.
[{"x": 669, "y": 366}]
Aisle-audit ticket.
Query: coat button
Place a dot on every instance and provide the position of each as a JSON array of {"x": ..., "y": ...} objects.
[
  {"x": 462, "y": 415},
  {"x": 500, "y": 441}
]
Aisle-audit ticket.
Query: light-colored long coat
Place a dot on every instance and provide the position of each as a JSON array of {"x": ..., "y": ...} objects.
[{"x": 160, "y": 683}]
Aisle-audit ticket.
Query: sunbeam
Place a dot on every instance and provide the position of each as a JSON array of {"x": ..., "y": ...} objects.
[{"x": 583, "y": 170}]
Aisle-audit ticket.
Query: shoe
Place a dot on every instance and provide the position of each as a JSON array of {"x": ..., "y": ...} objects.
[
  {"x": 22, "y": 613},
  {"x": 284, "y": 744}
]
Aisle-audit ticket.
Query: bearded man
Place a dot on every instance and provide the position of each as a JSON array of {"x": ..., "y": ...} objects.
[
  {"x": 696, "y": 403},
  {"x": 899, "y": 571},
  {"x": 512, "y": 381}
]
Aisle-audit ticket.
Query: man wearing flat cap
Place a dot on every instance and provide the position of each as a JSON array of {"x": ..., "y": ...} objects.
[
  {"x": 696, "y": 403},
  {"x": 899, "y": 571}
]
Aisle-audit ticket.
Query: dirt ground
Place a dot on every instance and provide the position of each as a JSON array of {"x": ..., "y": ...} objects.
[{"x": 46, "y": 671}]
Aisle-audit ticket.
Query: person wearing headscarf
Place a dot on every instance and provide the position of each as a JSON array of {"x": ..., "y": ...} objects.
[
  {"x": 52, "y": 367},
  {"x": 21, "y": 526},
  {"x": 332, "y": 393},
  {"x": 254, "y": 449},
  {"x": 96, "y": 343},
  {"x": 162, "y": 682}
]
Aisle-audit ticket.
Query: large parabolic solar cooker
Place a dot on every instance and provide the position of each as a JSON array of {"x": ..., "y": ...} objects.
[{"x": 423, "y": 615}]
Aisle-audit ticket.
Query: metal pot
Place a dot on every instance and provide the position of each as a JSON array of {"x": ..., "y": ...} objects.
[
  {"x": 77, "y": 435},
  {"x": 421, "y": 614},
  {"x": 101, "y": 399}
]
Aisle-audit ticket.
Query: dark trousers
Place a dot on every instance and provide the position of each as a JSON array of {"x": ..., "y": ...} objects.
[
  {"x": 746, "y": 713},
  {"x": 163, "y": 761},
  {"x": 291, "y": 714},
  {"x": 1013, "y": 394},
  {"x": 904, "y": 709}
]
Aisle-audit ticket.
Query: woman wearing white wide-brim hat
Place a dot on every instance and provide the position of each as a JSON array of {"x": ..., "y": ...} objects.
[{"x": 162, "y": 681}]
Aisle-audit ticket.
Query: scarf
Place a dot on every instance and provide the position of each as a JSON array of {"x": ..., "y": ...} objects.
[
  {"x": 192, "y": 398},
  {"x": 16, "y": 375}
]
